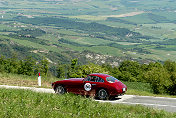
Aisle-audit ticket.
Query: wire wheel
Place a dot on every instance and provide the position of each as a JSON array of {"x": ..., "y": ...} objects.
[
  {"x": 60, "y": 90},
  {"x": 102, "y": 94}
]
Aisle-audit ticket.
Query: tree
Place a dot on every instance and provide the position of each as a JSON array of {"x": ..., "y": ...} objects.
[
  {"x": 61, "y": 70},
  {"x": 172, "y": 88},
  {"x": 92, "y": 68},
  {"x": 2, "y": 63},
  {"x": 159, "y": 79},
  {"x": 114, "y": 71},
  {"x": 74, "y": 63},
  {"x": 170, "y": 66},
  {"x": 44, "y": 66},
  {"x": 130, "y": 70},
  {"x": 27, "y": 66},
  {"x": 74, "y": 71}
]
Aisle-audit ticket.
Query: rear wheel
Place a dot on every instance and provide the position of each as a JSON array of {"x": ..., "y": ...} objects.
[
  {"x": 102, "y": 94},
  {"x": 60, "y": 90}
]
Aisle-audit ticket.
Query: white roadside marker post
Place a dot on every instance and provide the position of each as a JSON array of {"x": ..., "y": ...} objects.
[{"x": 39, "y": 80}]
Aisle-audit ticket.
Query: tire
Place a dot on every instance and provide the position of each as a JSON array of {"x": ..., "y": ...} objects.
[
  {"x": 60, "y": 90},
  {"x": 102, "y": 94}
]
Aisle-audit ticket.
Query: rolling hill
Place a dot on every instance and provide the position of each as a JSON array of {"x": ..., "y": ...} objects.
[{"x": 100, "y": 31}]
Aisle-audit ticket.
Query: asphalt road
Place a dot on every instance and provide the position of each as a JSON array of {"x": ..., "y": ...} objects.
[
  {"x": 168, "y": 104},
  {"x": 162, "y": 103}
]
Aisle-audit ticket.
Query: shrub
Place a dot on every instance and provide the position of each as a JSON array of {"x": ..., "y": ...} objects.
[{"x": 159, "y": 79}]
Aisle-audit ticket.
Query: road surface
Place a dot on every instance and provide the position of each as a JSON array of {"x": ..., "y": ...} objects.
[{"x": 168, "y": 104}]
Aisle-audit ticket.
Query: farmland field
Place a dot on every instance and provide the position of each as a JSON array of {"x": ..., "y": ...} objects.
[{"x": 136, "y": 30}]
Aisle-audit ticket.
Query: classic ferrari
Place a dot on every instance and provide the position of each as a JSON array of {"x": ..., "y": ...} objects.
[{"x": 101, "y": 86}]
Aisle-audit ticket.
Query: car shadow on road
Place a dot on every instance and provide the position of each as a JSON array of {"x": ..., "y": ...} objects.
[
  {"x": 115, "y": 98},
  {"x": 110, "y": 99}
]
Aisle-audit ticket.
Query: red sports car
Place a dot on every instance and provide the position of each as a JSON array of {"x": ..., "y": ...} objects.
[{"x": 102, "y": 86}]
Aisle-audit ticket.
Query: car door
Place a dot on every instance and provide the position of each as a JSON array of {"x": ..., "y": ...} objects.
[
  {"x": 73, "y": 87},
  {"x": 90, "y": 85}
]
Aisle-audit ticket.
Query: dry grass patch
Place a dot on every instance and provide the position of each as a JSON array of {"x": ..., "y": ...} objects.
[
  {"x": 22, "y": 80},
  {"x": 126, "y": 15}
]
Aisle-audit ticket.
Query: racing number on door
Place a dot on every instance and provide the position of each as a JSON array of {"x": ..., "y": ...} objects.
[{"x": 87, "y": 86}]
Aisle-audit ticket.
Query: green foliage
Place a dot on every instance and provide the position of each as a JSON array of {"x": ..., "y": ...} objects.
[
  {"x": 114, "y": 71},
  {"x": 171, "y": 68},
  {"x": 9, "y": 65},
  {"x": 172, "y": 88},
  {"x": 74, "y": 70},
  {"x": 29, "y": 38},
  {"x": 130, "y": 70},
  {"x": 31, "y": 32},
  {"x": 78, "y": 71},
  {"x": 61, "y": 70},
  {"x": 28, "y": 66},
  {"x": 159, "y": 79},
  {"x": 74, "y": 63},
  {"x": 92, "y": 68},
  {"x": 42, "y": 67}
]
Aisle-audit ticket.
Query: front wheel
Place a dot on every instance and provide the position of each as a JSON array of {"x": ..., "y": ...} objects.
[
  {"x": 60, "y": 90},
  {"x": 102, "y": 94}
]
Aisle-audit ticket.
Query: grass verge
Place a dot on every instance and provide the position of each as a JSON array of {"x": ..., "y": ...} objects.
[
  {"x": 24, "y": 80},
  {"x": 25, "y": 103}
]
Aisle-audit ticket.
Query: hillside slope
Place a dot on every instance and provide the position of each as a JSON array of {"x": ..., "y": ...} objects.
[{"x": 97, "y": 31}]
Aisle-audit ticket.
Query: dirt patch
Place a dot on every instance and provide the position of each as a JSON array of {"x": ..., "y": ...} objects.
[{"x": 126, "y": 15}]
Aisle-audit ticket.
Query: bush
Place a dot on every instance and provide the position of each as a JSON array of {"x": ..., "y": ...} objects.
[
  {"x": 28, "y": 66},
  {"x": 159, "y": 79}
]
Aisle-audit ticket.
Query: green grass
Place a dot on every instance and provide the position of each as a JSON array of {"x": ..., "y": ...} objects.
[
  {"x": 25, "y": 103},
  {"x": 89, "y": 17},
  {"x": 139, "y": 19},
  {"x": 162, "y": 30},
  {"x": 168, "y": 15},
  {"x": 164, "y": 54},
  {"x": 142, "y": 89},
  {"x": 105, "y": 50},
  {"x": 139, "y": 88},
  {"x": 87, "y": 40},
  {"x": 67, "y": 32},
  {"x": 117, "y": 24}
]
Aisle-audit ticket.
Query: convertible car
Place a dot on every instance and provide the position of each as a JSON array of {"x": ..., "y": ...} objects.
[{"x": 101, "y": 86}]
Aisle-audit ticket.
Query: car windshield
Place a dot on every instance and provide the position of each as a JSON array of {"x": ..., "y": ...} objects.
[{"x": 111, "y": 79}]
